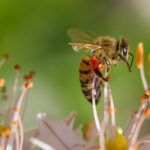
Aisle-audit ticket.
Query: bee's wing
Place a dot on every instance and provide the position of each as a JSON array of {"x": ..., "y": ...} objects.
[
  {"x": 84, "y": 46},
  {"x": 78, "y": 35},
  {"x": 82, "y": 40}
]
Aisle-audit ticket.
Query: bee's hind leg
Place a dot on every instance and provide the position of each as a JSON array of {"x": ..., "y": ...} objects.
[{"x": 99, "y": 74}]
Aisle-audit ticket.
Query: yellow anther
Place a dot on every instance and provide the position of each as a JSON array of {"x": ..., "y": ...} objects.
[
  {"x": 16, "y": 109},
  {"x": 147, "y": 112},
  {"x": 2, "y": 82},
  {"x": 139, "y": 55},
  {"x": 28, "y": 84},
  {"x": 144, "y": 98},
  {"x": 134, "y": 145},
  {"x": 147, "y": 92},
  {"x": 15, "y": 123},
  {"x": 111, "y": 110}
]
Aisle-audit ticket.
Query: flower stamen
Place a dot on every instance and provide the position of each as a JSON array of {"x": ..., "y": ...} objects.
[
  {"x": 16, "y": 109},
  {"x": 134, "y": 145},
  {"x": 2, "y": 82},
  {"x": 28, "y": 84},
  {"x": 147, "y": 92},
  {"x": 13, "y": 95},
  {"x": 17, "y": 67},
  {"x": 111, "y": 110},
  {"x": 15, "y": 123},
  {"x": 139, "y": 55},
  {"x": 139, "y": 63},
  {"x": 144, "y": 98},
  {"x": 147, "y": 112}
]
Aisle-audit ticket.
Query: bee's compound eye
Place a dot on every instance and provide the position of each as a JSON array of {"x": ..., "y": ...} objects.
[{"x": 124, "y": 49}]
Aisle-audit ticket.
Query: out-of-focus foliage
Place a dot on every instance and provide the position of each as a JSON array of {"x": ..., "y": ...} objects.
[{"x": 33, "y": 32}]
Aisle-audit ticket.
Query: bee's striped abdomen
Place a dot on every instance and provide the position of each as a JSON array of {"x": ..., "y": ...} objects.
[{"x": 86, "y": 76}]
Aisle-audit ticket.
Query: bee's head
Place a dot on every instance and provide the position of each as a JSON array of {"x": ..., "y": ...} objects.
[{"x": 122, "y": 48}]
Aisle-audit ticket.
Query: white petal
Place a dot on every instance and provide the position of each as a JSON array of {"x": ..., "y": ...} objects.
[
  {"x": 58, "y": 134},
  {"x": 32, "y": 133},
  {"x": 145, "y": 146},
  {"x": 41, "y": 144}
]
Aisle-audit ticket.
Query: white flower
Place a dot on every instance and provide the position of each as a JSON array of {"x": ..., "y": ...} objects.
[{"x": 60, "y": 135}]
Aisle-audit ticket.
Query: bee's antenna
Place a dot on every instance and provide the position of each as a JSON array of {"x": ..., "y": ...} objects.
[{"x": 132, "y": 59}]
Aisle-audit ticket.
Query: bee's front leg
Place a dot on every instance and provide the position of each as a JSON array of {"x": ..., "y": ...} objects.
[
  {"x": 99, "y": 74},
  {"x": 95, "y": 66},
  {"x": 106, "y": 61}
]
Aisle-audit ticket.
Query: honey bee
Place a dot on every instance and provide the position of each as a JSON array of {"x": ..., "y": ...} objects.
[{"x": 105, "y": 51}]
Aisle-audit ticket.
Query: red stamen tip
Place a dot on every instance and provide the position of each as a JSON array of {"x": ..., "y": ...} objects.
[
  {"x": 144, "y": 98},
  {"x": 6, "y": 56},
  {"x": 107, "y": 79},
  {"x": 26, "y": 78},
  {"x": 17, "y": 67},
  {"x": 32, "y": 73},
  {"x": 29, "y": 77}
]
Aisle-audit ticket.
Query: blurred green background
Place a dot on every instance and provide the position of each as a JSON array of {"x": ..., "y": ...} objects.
[{"x": 33, "y": 32}]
